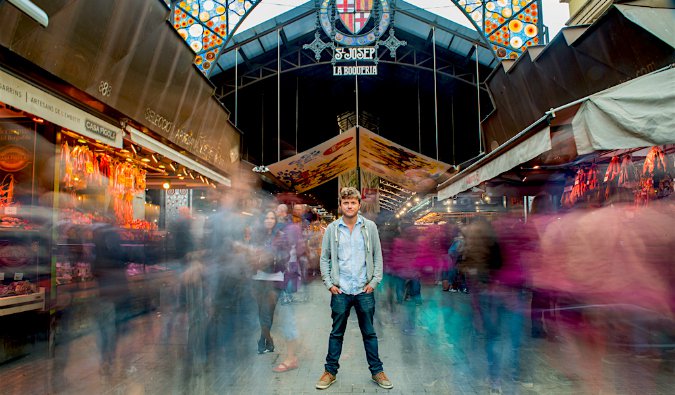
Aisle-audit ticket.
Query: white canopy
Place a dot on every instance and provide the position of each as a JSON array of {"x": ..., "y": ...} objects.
[{"x": 638, "y": 113}]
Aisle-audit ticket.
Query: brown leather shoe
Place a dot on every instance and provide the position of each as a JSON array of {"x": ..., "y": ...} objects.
[
  {"x": 325, "y": 381},
  {"x": 383, "y": 381}
]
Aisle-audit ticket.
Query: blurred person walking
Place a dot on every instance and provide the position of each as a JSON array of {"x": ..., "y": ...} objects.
[
  {"x": 270, "y": 254},
  {"x": 112, "y": 306},
  {"x": 228, "y": 273},
  {"x": 496, "y": 303},
  {"x": 455, "y": 280},
  {"x": 194, "y": 291},
  {"x": 292, "y": 226},
  {"x": 171, "y": 301},
  {"x": 351, "y": 268}
]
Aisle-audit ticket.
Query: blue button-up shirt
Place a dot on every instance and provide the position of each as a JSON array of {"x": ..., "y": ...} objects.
[{"x": 352, "y": 258}]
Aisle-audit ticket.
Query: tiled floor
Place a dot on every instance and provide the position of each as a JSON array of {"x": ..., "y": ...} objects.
[{"x": 444, "y": 355}]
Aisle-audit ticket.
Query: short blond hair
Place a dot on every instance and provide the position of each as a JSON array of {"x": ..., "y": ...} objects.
[{"x": 350, "y": 193}]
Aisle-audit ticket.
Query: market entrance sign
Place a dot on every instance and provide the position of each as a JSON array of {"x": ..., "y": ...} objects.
[
  {"x": 355, "y": 29},
  {"x": 354, "y": 70}
]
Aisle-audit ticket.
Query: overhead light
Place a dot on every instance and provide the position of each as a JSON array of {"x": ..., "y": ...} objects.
[
  {"x": 162, "y": 167},
  {"x": 38, "y": 120},
  {"x": 191, "y": 175},
  {"x": 82, "y": 141},
  {"x": 261, "y": 169},
  {"x": 36, "y": 13},
  {"x": 172, "y": 166},
  {"x": 166, "y": 185},
  {"x": 175, "y": 156},
  {"x": 146, "y": 160},
  {"x": 154, "y": 158}
]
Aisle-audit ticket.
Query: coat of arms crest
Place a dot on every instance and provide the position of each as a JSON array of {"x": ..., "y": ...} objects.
[{"x": 354, "y": 14}]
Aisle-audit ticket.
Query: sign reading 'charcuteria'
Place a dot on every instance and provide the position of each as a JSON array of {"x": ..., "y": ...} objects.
[{"x": 355, "y": 29}]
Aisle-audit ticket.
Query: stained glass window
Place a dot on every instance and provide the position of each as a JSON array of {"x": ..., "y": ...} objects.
[
  {"x": 206, "y": 24},
  {"x": 510, "y": 26}
]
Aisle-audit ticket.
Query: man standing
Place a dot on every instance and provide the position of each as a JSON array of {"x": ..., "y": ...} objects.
[{"x": 351, "y": 268}]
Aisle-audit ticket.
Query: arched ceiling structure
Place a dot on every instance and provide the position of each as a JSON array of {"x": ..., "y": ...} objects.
[{"x": 508, "y": 27}]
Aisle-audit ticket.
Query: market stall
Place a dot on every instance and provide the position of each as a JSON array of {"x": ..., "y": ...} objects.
[
  {"x": 619, "y": 140},
  {"x": 63, "y": 173}
]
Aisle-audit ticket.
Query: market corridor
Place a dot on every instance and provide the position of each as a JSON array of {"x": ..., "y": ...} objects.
[{"x": 439, "y": 353}]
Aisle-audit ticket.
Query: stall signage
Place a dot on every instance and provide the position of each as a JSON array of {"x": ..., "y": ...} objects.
[
  {"x": 198, "y": 143},
  {"x": 27, "y": 97},
  {"x": 100, "y": 130},
  {"x": 13, "y": 158}
]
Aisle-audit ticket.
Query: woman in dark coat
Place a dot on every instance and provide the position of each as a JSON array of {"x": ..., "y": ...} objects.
[{"x": 269, "y": 257}]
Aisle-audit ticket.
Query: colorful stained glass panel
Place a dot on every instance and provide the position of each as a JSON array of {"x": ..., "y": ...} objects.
[
  {"x": 206, "y": 24},
  {"x": 509, "y": 25}
]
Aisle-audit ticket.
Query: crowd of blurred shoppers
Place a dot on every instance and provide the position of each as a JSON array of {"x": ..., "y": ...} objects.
[{"x": 591, "y": 279}]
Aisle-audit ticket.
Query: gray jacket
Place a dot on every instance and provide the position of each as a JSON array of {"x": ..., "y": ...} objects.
[{"x": 330, "y": 269}]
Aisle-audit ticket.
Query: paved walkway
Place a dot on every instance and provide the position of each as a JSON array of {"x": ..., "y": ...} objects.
[{"x": 443, "y": 355}]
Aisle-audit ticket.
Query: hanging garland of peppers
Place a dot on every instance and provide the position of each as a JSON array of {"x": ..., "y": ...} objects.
[{"x": 623, "y": 181}]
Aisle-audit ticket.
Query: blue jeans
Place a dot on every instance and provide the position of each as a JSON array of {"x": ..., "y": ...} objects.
[
  {"x": 364, "y": 304},
  {"x": 501, "y": 312}
]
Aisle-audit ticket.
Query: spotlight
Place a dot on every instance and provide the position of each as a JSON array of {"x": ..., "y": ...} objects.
[
  {"x": 261, "y": 169},
  {"x": 166, "y": 185}
]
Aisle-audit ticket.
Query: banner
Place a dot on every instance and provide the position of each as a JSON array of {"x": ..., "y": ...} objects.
[
  {"x": 402, "y": 166},
  {"x": 377, "y": 155},
  {"x": 318, "y": 165}
]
